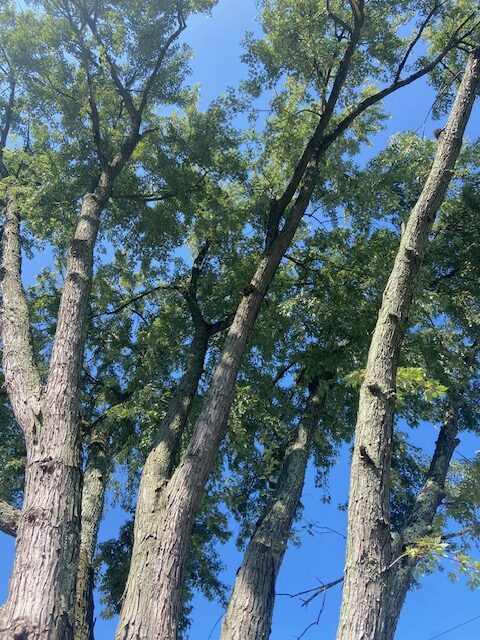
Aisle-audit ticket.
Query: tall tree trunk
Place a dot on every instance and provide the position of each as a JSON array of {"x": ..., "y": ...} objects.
[
  {"x": 157, "y": 471},
  {"x": 249, "y": 613},
  {"x": 369, "y": 554},
  {"x": 93, "y": 497},
  {"x": 42, "y": 586},
  {"x": 183, "y": 494}
]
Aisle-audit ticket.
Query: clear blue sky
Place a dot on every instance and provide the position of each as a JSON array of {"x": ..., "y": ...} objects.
[{"x": 436, "y": 607}]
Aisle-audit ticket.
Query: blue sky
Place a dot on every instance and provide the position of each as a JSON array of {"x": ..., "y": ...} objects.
[{"x": 438, "y": 605}]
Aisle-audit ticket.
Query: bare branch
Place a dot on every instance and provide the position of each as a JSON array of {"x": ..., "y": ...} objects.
[
  {"x": 415, "y": 40},
  {"x": 371, "y": 100}
]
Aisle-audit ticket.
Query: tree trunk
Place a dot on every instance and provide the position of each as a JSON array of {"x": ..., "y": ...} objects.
[
  {"x": 156, "y": 473},
  {"x": 249, "y": 613},
  {"x": 364, "y": 604},
  {"x": 183, "y": 494},
  {"x": 41, "y": 595},
  {"x": 93, "y": 497}
]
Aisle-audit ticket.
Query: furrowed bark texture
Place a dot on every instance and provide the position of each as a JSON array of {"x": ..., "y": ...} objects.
[
  {"x": 183, "y": 494},
  {"x": 156, "y": 473},
  {"x": 364, "y": 604},
  {"x": 250, "y": 610},
  {"x": 185, "y": 490},
  {"x": 8, "y": 519},
  {"x": 93, "y": 497},
  {"x": 419, "y": 525},
  {"x": 41, "y": 595}
]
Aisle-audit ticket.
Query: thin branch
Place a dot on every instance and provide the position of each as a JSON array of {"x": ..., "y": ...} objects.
[
  {"x": 283, "y": 371},
  {"x": 136, "y": 298},
  {"x": 415, "y": 40},
  {"x": 322, "y": 589},
  {"x": 338, "y": 82},
  {"x": 380, "y": 95},
  {"x": 122, "y": 90},
  {"x": 92, "y": 102},
  {"x": 161, "y": 57},
  {"x": 337, "y": 19}
]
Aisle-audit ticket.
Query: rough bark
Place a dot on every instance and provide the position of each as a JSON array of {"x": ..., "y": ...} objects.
[
  {"x": 93, "y": 497},
  {"x": 419, "y": 524},
  {"x": 184, "y": 492},
  {"x": 8, "y": 519},
  {"x": 364, "y": 609},
  {"x": 156, "y": 473},
  {"x": 41, "y": 597},
  {"x": 249, "y": 613},
  {"x": 42, "y": 586},
  {"x": 182, "y": 496}
]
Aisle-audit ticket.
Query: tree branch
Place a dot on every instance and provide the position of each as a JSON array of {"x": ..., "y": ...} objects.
[
  {"x": 92, "y": 102},
  {"x": 417, "y": 37},
  {"x": 371, "y": 100},
  {"x": 6, "y": 124},
  {"x": 338, "y": 82},
  {"x": 22, "y": 379},
  {"x": 161, "y": 57}
]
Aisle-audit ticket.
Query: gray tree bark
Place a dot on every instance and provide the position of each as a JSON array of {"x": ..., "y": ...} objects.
[
  {"x": 42, "y": 586},
  {"x": 369, "y": 552},
  {"x": 250, "y": 610},
  {"x": 41, "y": 597},
  {"x": 160, "y": 464},
  {"x": 93, "y": 498}
]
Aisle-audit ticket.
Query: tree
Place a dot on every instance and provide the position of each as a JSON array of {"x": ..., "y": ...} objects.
[
  {"x": 42, "y": 587},
  {"x": 369, "y": 552}
]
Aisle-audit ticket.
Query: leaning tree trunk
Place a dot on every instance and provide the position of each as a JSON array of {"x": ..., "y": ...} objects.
[
  {"x": 42, "y": 586},
  {"x": 93, "y": 497},
  {"x": 369, "y": 554},
  {"x": 183, "y": 494},
  {"x": 249, "y": 613}
]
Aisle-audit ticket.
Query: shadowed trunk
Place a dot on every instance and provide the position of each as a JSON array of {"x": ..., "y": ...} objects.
[
  {"x": 249, "y": 613},
  {"x": 156, "y": 473},
  {"x": 369, "y": 552},
  {"x": 93, "y": 497}
]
